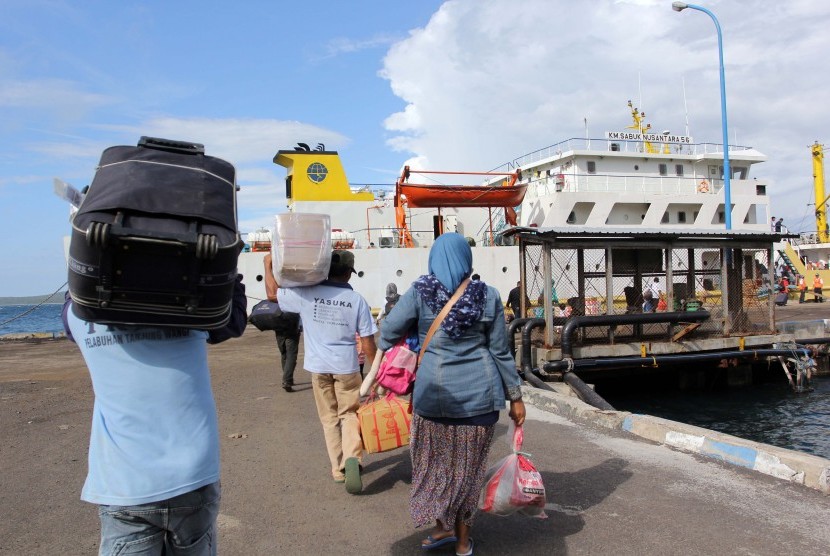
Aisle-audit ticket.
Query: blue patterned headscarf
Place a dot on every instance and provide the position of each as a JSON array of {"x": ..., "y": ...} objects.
[{"x": 450, "y": 260}]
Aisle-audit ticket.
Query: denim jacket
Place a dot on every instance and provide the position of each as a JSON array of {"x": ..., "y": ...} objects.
[{"x": 458, "y": 377}]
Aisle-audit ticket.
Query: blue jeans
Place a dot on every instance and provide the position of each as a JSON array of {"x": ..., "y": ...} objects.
[{"x": 183, "y": 525}]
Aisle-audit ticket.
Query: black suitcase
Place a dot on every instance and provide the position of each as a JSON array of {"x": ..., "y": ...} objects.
[{"x": 155, "y": 241}]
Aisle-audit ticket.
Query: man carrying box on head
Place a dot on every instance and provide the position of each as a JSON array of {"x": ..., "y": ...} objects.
[{"x": 332, "y": 312}]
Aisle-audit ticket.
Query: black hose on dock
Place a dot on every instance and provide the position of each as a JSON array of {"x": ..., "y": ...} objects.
[
  {"x": 538, "y": 382},
  {"x": 585, "y": 393},
  {"x": 511, "y": 333},
  {"x": 526, "y": 369}
]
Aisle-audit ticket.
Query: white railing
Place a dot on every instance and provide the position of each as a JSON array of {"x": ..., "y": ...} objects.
[
  {"x": 606, "y": 145},
  {"x": 611, "y": 183}
]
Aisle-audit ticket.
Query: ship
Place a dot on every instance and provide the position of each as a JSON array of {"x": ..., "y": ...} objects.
[{"x": 631, "y": 179}]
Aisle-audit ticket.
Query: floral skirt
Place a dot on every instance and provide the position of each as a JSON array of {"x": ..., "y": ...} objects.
[{"x": 448, "y": 467}]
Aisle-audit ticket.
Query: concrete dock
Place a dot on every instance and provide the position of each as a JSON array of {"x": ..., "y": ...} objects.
[{"x": 614, "y": 485}]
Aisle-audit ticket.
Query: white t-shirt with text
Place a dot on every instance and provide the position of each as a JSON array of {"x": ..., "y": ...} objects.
[{"x": 331, "y": 313}]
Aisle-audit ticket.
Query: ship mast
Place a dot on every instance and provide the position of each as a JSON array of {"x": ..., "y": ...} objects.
[
  {"x": 818, "y": 187},
  {"x": 642, "y": 127}
]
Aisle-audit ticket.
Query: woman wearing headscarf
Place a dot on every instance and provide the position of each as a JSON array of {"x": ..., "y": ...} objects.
[{"x": 464, "y": 378}]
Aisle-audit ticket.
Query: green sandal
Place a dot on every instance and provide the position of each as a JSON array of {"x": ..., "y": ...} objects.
[{"x": 353, "y": 483}]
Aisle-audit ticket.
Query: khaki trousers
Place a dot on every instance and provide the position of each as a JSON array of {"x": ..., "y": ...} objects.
[{"x": 337, "y": 398}]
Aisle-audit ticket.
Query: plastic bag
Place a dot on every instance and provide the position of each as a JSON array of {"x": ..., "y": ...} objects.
[{"x": 513, "y": 484}]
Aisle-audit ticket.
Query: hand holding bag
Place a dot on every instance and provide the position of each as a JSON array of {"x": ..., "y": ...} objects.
[
  {"x": 399, "y": 364},
  {"x": 513, "y": 484}
]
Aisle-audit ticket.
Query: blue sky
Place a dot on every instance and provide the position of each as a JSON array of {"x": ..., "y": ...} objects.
[{"x": 463, "y": 84}]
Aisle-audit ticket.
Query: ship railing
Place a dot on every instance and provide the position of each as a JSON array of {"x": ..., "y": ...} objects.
[
  {"x": 807, "y": 238},
  {"x": 388, "y": 237},
  {"x": 613, "y": 145},
  {"x": 615, "y": 183}
]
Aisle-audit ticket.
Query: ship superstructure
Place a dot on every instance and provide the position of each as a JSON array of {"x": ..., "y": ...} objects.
[{"x": 631, "y": 179}]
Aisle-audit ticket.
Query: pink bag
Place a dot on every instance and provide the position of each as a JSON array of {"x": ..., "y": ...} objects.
[
  {"x": 514, "y": 485},
  {"x": 397, "y": 369}
]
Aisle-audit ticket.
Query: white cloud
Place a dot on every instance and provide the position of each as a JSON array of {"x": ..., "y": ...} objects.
[
  {"x": 484, "y": 82},
  {"x": 237, "y": 140}
]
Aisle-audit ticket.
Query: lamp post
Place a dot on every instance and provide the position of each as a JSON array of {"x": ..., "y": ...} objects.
[{"x": 727, "y": 173}]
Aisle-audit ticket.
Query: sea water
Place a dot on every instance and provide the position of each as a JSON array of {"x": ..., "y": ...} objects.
[
  {"x": 770, "y": 413},
  {"x": 17, "y": 319}
]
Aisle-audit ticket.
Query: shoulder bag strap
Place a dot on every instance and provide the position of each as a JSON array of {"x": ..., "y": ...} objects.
[{"x": 440, "y": 318}]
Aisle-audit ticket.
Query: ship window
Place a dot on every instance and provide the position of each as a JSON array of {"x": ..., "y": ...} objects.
[
  {"x": 663, "y": 169},
  {"x": 665, "y": 219},
  {"x": 694, "y": 215},
  {"x": 681, "y": 217},
  {"x": 738, "y": 172},
  {"x": 547, "y": 172},
  {"x": 760, "y": 189},
  {"x": 572, "y": 218},
  {"x": 713, "y": 171},
  {"x": 636, "y": 167},
  {"x": 721, "y": 217},
  {"x": 591, "y": 166},
  {"x": 288, "y": 187},
  {"x": 678, "y": 169}
]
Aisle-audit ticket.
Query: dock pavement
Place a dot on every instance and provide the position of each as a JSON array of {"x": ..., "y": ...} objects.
[{"x": 610, "y": 487}]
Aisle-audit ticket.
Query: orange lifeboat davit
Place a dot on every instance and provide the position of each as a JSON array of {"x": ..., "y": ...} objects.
[{"x": 504, "y": 193}]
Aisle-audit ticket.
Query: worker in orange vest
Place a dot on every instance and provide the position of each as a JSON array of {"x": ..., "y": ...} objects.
[
  {"x": 802, "y": 287},
  {"x": 818, "y": 287}
]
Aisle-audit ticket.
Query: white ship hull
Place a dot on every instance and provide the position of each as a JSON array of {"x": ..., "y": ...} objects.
[{"x": 498, "y": 266}]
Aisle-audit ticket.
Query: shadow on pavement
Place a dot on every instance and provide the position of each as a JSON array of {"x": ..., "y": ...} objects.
[{"x": 568, "y": 495}]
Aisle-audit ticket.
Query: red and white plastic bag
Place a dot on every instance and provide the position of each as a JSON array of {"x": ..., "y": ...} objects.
[{"x": 513, "y": 484}]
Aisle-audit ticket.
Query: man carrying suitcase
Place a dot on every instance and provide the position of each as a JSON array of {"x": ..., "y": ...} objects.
[
  {"x": 332, "y": 313},
  {"x": 154, "y": 442}
]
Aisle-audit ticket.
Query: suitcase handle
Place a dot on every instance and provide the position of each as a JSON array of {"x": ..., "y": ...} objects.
[{"x": 171, "y": 145}]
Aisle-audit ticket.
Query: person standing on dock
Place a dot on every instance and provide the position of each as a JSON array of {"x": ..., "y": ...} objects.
[
  {"x": 392, "y": 297},
  {"x": 514, "y": 300},
  {"x": 153, "y": 464},
  {"x": 331, "y": 313},
  {"x": 651, "y": 296},
  {"x": 288, "y": 341},
  {"x": 802, "y": 288},
  {"x": 818, "y": 289}
]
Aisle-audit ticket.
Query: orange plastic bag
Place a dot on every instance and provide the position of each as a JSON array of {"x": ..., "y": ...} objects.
[{"x": 513, "y": 484}]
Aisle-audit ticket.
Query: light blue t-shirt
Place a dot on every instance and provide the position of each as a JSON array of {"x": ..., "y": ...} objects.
[
  {"x": 331, "y": 314},
  {"x": 154, "y": 428}
]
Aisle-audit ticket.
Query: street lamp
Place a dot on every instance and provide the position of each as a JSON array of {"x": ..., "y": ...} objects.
[{"x": 727, "y": 173}]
